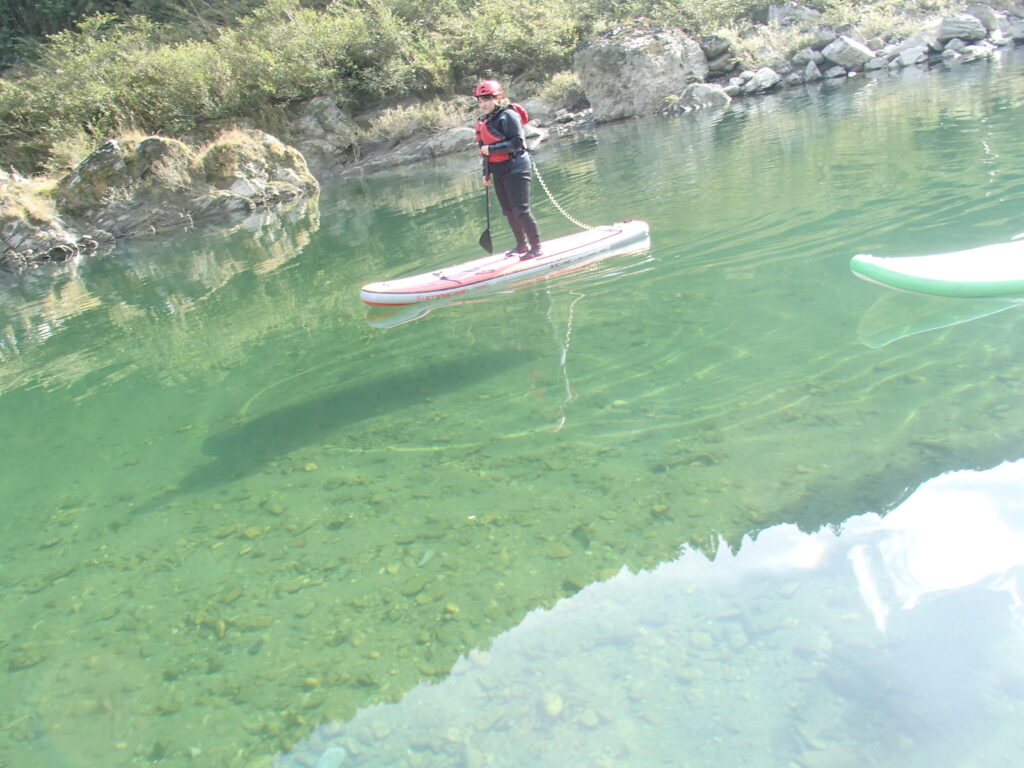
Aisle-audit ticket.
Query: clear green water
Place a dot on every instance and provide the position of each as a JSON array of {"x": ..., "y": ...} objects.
[{"x": 649, "y": 513}]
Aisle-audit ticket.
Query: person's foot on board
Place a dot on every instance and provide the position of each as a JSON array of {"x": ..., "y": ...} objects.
[
  {"x": 519, "y": 250},
  {"x": 533, "y": 253}
]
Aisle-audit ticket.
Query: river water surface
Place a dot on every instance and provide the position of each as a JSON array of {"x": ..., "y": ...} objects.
[{"x": 716, "y": 503}]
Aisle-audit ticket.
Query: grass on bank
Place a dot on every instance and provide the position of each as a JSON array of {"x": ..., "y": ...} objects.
[
  {"x": 886, "y": 19},
  {"x": 27, "y": 199},
  {"x": 112, "y": 74},
  {"x": 107, "y": 76},
  {"x": 395, "y": 124}
]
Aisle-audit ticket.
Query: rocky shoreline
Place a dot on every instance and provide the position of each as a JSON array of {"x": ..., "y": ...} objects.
[{"x": 139, "y": 186}]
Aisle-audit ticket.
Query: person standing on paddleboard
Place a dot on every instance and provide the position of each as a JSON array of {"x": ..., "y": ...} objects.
[{"x": 502, "y": 142}]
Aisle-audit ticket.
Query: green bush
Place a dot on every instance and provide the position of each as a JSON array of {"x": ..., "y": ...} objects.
[
  {"x": 35, "y": 18},
  {"x": 173, "y": 71},
  {"x": 527, "y": 37},
  {"x": 104, "y": 77},
  {"x": 697, "y": 17},
  {"x": 564, "y": 90},
  {"x": 402, "y": 122},
  {"x": 38, "y": 18}
]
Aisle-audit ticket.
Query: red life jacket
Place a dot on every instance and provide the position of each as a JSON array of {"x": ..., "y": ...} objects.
[{"x": 485, "y": 136}]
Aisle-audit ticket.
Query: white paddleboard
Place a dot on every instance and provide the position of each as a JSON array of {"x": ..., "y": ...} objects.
[{"x": 586, "y": 246}]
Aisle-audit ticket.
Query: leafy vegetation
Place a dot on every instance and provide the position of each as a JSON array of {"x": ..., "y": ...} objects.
[
  {"x": 29, "y": 20},
  {"x": 563, "y": 88},
  {"x": 96, "y": 68},
  {"x": 404, "y": 121}
]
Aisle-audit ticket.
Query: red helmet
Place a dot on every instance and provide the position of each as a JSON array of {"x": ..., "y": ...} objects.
[{"x": 488, "y": 88}]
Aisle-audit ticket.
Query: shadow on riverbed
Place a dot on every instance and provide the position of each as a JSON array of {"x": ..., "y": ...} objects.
[{"x": 245, "y": 449}]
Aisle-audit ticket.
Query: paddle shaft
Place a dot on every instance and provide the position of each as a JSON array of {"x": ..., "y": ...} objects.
[{"x": 485, "y": 237}]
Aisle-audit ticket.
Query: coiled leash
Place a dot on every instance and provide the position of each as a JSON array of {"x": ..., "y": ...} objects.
[{"x": 551, "y": 197}]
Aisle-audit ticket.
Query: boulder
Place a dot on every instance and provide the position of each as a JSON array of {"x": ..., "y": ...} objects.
[
  {"x": 792, "y": 15},
  {"x": 541, "y": 112},
  {"x": 961, "y": 25},
  {"x": 455, "y": 140},
  {"x": 94, "y": 179},
  {"x": 722, "y": 64},
  {"x": 921, "y": 39},
  {"x": 714, "y": 46},
  {"x": 24, "y": 241},
  {"x": 912, "y": 56},
  {"x": 631, "y": 72},
  {"x": 822, "y": 37},
  {"x": 999, "y": 37},
  {"x": 982, "y": 50},
  {"x": 253, "y": 164},
  {"x": 848, "y": 30},
  {"x": 156, "y": 167},
  {"x": 805, "y": 55},
  {"x": 324, "y": 134},
  {"x": 765, "y": 79},
  {"x": 811, "y": 72},
  {"x": 782, "y": 66},
  {"x": 847, "y": 53},
  {"x": 703, "y": 96},
  {"x": 128, "y": 188},
  {"x": 986, "y": 15}
]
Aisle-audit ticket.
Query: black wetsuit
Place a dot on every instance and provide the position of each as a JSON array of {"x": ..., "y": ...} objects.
[{"x": 512, "y": 177}]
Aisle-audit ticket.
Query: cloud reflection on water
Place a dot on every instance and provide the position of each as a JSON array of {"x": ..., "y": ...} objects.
[
  {"x": 960, "y": 529},
  {"x": 891, "y": 642}
]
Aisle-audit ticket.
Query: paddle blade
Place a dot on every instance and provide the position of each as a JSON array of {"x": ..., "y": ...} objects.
[{"x": 485, "y": 238}]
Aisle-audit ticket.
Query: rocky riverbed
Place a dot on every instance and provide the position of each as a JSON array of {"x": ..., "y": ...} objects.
[{"x": 130, "y": 188}]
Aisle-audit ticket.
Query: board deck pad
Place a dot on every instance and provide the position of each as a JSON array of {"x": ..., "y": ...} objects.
[{"x": 497, "y": 269}]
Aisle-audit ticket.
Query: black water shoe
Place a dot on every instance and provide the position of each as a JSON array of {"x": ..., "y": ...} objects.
[
  {"x": 533, "y": 253},
  {"x": 519, "y": 250}
]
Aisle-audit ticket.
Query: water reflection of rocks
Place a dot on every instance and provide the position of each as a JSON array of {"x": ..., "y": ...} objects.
[{"x": 37, "y": 309}]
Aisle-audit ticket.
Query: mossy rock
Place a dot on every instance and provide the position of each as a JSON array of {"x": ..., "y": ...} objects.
[
  {"x": 95, "y": 180},
  {"x": 227, "y": 161},
  {"x": 163, "y": 162},
  {"x": 155, "y": 166},
  {"x": 254, "y": 155}
]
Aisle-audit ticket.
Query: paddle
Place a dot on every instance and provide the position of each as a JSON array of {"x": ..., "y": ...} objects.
[{"x": 485, "y": 238}]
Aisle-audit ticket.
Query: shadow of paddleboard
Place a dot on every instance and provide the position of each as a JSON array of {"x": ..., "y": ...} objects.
[
  {"x": 896, "y": 316},
  {"x": 244, "y": 449}
]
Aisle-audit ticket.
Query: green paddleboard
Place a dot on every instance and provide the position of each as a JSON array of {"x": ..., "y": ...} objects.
[{"x": 989, "y": 271}]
